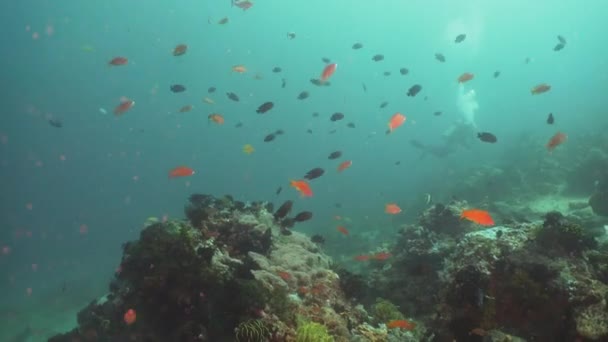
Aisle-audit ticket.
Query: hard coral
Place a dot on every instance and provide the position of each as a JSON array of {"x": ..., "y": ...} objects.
[
  {"x": 560, "y": 234},
  {"x": 444, "y": 219}
]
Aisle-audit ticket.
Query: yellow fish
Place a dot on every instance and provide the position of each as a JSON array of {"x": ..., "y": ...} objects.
[
  {"x": 208, "y": 100},
  {"x": 239, "y": 68},
  {"x": 248, "y": 149}
]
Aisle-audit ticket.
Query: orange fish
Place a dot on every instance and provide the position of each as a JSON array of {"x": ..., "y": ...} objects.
[
  {"x": 123, "y": 107},
  {"x": 328, "y": 71},
  {"x": 217, "y": 118},
  {"x": 392, "y": 208},
  {"x": 181, "y": 171},
  {"x": 344, "y": 165},
  {"x": 396, "y": 120},
  {"x": 185, "y": 109},
  {"x": 401, "y": 323},
  {"x": 342, "y": 230},
  {"x": 239, "y": 68},
  {"x": 382, "y": 256},
  {"x": 467, "y": 76},
  {"x": 362, "y": 257},
  {"x": 284, "y": 275},
  {"x": 556, "y": 140},
  {"x": 116, "y": 61},
  {"x": 540, "y": 88},
  {"x": 180, "y": 50},
  {"x": 130, "y": 316},
  {"x": 302, "y": 187},
  {"x": 478, "y": 216}
]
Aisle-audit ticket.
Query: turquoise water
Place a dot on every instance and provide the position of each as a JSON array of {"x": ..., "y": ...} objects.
[{"x": 110, "y": 173}]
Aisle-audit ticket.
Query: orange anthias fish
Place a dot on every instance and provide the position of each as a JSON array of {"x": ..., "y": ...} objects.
[
  {"x": 478, "y": 216},
  {"x": 556, "y": 140},
  {"x": 239, "y": 68},
  {"x": 180, "y": 50},
  {"x": 328, "y": 71},
  {"x": 540, "y": 88},
  {"x": 342, "y": 230},
  {"x": 362, "y": 257},
  {"x": 181, "y": 171},
  {"x": 302, "y": 187},
  {"x": 123, "y": 107},
  {"x": 401, "y": 323},
  {"x": 217, "y": 118},
  {"x": 382, "y": 256},
  {"x": 130, "y": 316},
  {"x": 392, "y": 208},
  {"x": 467, "y": 76},
  {"x": 396, "y": 120},
  {"x": 344, "y": 165},
  {"x": 116, "y": 61}
]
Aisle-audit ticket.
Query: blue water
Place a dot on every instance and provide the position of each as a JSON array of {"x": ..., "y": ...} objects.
[{"x": 63, "y": 74}]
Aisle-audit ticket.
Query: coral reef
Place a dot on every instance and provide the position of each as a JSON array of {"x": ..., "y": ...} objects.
[{"x": 312, "y": 332}]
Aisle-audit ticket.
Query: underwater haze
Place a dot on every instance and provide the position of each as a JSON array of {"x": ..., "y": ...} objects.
[{"x": 95, "y": 144}]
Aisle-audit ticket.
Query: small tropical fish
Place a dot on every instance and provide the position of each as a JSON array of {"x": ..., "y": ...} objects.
[
  {"x": 239, "y": 68},
  {"x": 217, "y": 118},
  {"x": 234, "y": 97},
  {"x": 328, "y": 71},
  {"x": 496, "y": 74},
  {"x": 303, "y": 216},
  {"x": 540, "y": 88},
  {"x": 223, "y": 21},
  {"x": 550, "y": 119},
  {"x": 116, "y": 61},
  {"x": 404, "y": 71},
  {"x": 362, "y": 257},
  {"x": 130, "y": 316},
  {"x": 335, "y": 155},
  {"x": 460, "y": 38},
  {"x": 278, "y": 191},
  {"x": 336, "y": 117},
  {"x": 381, "y": 256},
  {"x": 186, "y": 108},
  {"x": 465, "y": 77},
  {"x": 55, "y": 123},
  {"x": 244, "y": 5},
  {"x": 561, "y": 39},
  {"x": 277, "y": 69},
  {"x": 248, "y": 149},
  {"x": 211, "y": 90},
  {"x": 177, "y": 88},
  {"x": 477, "y": 216},
  {"x": 342, "y": 230},
  {"x": 440, "y": 57},
  {"x": 344, "y": 165},
  {"x": 392, "y": 208},
  {"x": 303, "y": 95},
  {"x": 291, "y": 35},
  {"x": 487, "y": 137},
  {"x": 284, "y": 275},
  {"x": 283, "y": 210},
  {"x": 401, "y": 324},
  {"x": 556, "y": 140},
  {"x": 208, "y": 100},
  {"x": 123, "y": 107},
  {"x": 270, "y": 137},
  {"x": 559, "y": 47},
  {"x": 302, "y": 186},
  {"x": 180, "y": 50},
  {"x": 181, "y": 171},
  {"x": 378, "y": 58},
  {"x": 357, "y": 46},
  {"x": 314, "y": 173},
  {"x": 415, "y": 89},
  {"x": 396, "y": 120}
]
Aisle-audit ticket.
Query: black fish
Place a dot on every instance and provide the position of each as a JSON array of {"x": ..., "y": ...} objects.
[
  {"x": 269, "y": 137},
  {"x": 279, "y": 132},
  {"x": 487, "y": 137},
  {"x": 279, "y": 189},
  {"x": 283, "y": 83},
  {"x": 404, "y": 71},
  {"x": 561, "y": 39},
  {"x": 56, "y": 123},
  {"x": 234, "y": 97},
  {"x": 460, "y": 38},
  {"x": 309, "y": 131},
  {"x": 211, "y": 90},
  {"x": 398, "y": 162},
  {"x": 283, "y": 210},
  {"x": 264, "y": 107},
  {"x": 332, "y": 131},
  {"x": 437, "y": 113},
  {"x": 440, "y": 57},
  {"x": 559, "y": 46},
  {"x": 338, "y": 205},
  {"x": 287, "y": 223},
  {"x": 318, "y": 239},
  {"x": 350, "y": 125},
  {"x": 276, "y": 69},
  {"x": 415, "y": 89},
  {"x": 383, "y": 104},
  {"x": 527, "y": 60},
  {"x": 364, "y": 87},
  {"x": 303, "y": 216},
  {"x": 303, "y": 95},
  {"x": 378, "y": 58},
  {"x": 315, "y": 115},
  {"x": 238, "y": 125},
  {"x": 335, "y": 155},
  {"x": 550, "y": 119},
  {"x": 496, "y": 74},
  {"x": 326, "y": 60},
  {"x": 357, "y": 46},
  {"x": 177, "y": 88},
  {"x": 314, "y": 173},
  {"x": 318, "y": 82},
  {"x": 336, "y": 117}
]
